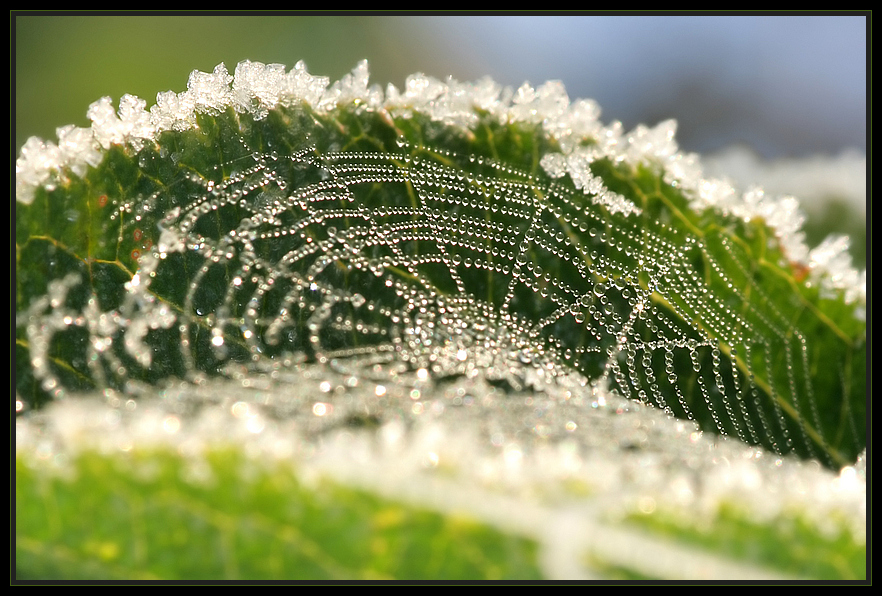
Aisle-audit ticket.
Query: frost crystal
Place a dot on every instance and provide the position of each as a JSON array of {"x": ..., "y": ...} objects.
[
  {"x": 353, "y": 88},
  {"x": 79, "y": 147},
  {"x": 554, "y": 164},
  {"x": 132, "y": 124},
  {"x": 653, "y": 143},
  {"x": 305, "y": 87},
  {"x": 173, "y": 111},
  {"x": 548, "y": 103},
  {"x": 38, "y": 163},
  {"x": 210, "y": 92},
  {"x": 831, "y": 264},
  {"x": 257, "y": 87}
]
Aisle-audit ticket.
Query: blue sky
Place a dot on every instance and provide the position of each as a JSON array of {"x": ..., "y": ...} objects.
[{"x": 783, "y": 85}]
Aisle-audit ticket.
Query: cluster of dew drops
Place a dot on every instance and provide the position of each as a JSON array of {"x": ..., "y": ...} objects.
[{"x": 592, "y": 271}]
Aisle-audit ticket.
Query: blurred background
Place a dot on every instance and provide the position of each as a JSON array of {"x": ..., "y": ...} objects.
[{"x": 777, "y": 86}]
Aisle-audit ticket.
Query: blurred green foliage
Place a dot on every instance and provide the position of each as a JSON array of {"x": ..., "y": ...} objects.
[
  {"x": 156, "y": 515},
  {"x": 790, "y": 542}
]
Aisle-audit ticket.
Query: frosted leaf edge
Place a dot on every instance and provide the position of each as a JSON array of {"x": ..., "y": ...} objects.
[{"x": 255, "y": 88}]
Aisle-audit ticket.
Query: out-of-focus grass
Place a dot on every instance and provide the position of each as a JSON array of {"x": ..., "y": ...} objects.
[
  {"x": 790, "y": 543},
  {"x": 154, "y": 514}
]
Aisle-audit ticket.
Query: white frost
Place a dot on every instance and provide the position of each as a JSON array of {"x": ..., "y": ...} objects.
[
  {"x": 132, "y": 124},
  {"x": 210, "y": 91}
]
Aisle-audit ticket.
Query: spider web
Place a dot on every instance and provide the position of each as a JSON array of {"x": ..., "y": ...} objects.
[
  {"x": 456, "y": 264},
  {"x": 451, "y": 262}
]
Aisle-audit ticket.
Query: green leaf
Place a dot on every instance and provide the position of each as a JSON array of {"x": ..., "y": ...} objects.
[{"x": 777, "y": 363}]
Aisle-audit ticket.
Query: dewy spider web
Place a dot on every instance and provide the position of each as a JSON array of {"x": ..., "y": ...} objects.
[
  {"x": 593, "y": 311},
  {"x": 307, "y": 236}
]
